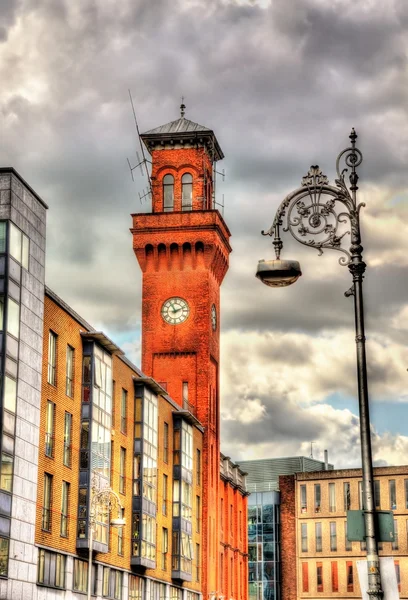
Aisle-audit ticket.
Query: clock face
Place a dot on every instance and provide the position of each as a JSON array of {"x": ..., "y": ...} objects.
[
  {"x": 175, "y": 311},
  {"x": 214, "y": 317}
]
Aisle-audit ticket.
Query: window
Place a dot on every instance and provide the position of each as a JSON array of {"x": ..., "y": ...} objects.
[
  {"x": 168, "y": 193},
  {"x": 46, "y": 512},
  {"x": 80, "y": 575},
  {"x": 198, "y": 559},
  {"x": 165, "y": 495},
  {"x": 49, "y": 429},
  {"x": 363, "y": 546},
  {"x": 165, "y": 547},
  {"x": 231, "y": 519},
  {"x": 187, "y": 192},
  {"x": 393, "y": 495},
  {"x": 319, "y": 576},
  {"x": 166, "y": 443},
  {"x": 122, "y": 467},
  {"x": 332, "y": 497},
  {"x": 19, "y": 245},
  {"x": 10, "y": 394},
  {"x": 318, "y": 528},
  {"x": 346, "y": 489},
  {"x": 317, "y": 497},
  {"x": 347, "y": 545},
  {"x": 6, "y": 470},
  {"x": 398, "y": 574},
  {"x": 13, "y": 317},
  {"x": 377, "y": 494},
  {"x": 350, "y": 576},
  {"x": 304, "y": 536},
  {"x": 123, "y": 406},
  {"x": 67, "y": 439},
  {"x": 303, "y": 499},
  {"x": 135, "y": 587},
  {"x": 334, "y": 577},
  {"x": 333, "y": 536},
  {"x": 69, "y": 387},
  {"x": 185, "y": 395},
  {"x": 305, "y": 577},
  {"x": 51, "y": 569},
  {"x": 198, "y": 513},
  {"x": 198, "y": 467},
  {"x": 112, "y": 583},
  {"x": 4, "y": 556},
  {"x": 222, "y": 515},
  {"x": 395, "y": 542},
  {"x": 3, "y": 239},
  {"x": 64, "y": 509},
  {"x": 120, "y": 533},
  {"x": 52, "y": 353}
]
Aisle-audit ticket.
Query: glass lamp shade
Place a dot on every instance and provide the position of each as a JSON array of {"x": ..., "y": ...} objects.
[{"x": 278, "y": 273}]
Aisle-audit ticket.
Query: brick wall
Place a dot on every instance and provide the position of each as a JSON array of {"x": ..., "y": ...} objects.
[{"x": 288, "y": 538}]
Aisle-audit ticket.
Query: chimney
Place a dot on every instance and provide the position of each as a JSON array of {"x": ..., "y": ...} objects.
[{"x": 326, "y": 460}]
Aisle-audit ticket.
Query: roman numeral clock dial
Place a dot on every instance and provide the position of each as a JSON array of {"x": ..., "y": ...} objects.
[{"x": 175, "y": 311}]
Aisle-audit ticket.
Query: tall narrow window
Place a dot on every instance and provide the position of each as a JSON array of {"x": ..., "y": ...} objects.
[
  {"x": 198, "y": 513},
  {"x": 64, "y": 509},
  {"x": 52, "y": 354},
  {"x": 198, "y": 467},
  {"x": 185, "y": 395},
  {"x": 166, "y": 443},
  {"x": 69, "y": 384},
  {"x": 318, "y": 533},
  {"x": 120, "y": 534},
  {"x": 347, "y": 544},
  {"x": 393, "y": 494},
  {"x": 187, "y": 192},
  {"x": 122, "y": 466},
  {"x": 304, "y": 536},
  {"x": 317, "y": 496},
  {"x": 350, "y": 576},
  {"x": 346, "y": 489},
  {"x": 334, "y": 577},
  {"x": 49, "y": 429},
  {"x": 67, "y": 439},
  {"x": 333, "y": 536},
  {"x": 46, "y": 512},
  {"x": 198, "y": 562},
  {"x": 332, "y": 497},
  {"x": 123, "y": 407},
  {"x": 13, "y": 317},
  {"x": 305, "y": 577},
  {"x": 303, "y": 499},
  {"x": 168, "y": 193},
  {"x": 165, "y": 496},
  {"x": 377, "y": 494},
  {"x": 395, "y": 542},
  {"x": 319, "y": 576},
  {"x": 165, "y": 547},
  {"x": 222, "y": 515}
]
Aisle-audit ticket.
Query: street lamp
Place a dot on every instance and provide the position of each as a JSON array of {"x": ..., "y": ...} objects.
[
  {"x": 315, "y": 214},
  {"x": 104, "y": 499}
]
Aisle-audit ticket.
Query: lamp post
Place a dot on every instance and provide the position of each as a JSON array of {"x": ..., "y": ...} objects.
[
  {"x": 316, "y": 215},
  {"x": 104, "y": 499}
]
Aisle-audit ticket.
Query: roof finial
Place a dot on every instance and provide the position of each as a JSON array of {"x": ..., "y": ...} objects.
[{"x": 182, "y": 107}]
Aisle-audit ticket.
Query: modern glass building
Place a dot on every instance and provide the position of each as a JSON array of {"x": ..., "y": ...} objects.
[{"x": 264, "y": 532}]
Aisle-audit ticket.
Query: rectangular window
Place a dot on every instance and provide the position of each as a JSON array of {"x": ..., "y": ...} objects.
[
  {"x": 112, "y": 583},
  {"x": 198, "y": 467},
  {"x": 122, "y": 467},
  {"x": 305, "y": 577},
  {"x": 350, "y": 576},
  {"x": 10, "y": 394},
  {"x": 51, "y": 569},
  {"x": 69, "y": 385},
  {"x": 52, "y": 357},
  {"x": 304, "y": 536},
  {"x": 393, "y": 494},
  {"x": 395, "y": 542},
  {"x": 185, "y": 395},
  {"x": 231, "y": 519},
  {"x": 67, "y": 439},
  {"x": 80, "y": 575},
  {"x": 222, "y": 515},
  {"x": 334, "y": 577},
  {"x": 346, "y": 489},
  {"x": 377, "y": 494},
  {"x": 303, "y": 499},
  {"x": 123, "y": 407},
  {"x": 198, "y": 513},
  {"x": 317, "y": 497},
  {"x": 49, "y": 429},
  {"x": 135, "y": 587},
  {"x": 318, "y": 529},
  {"x": 332, "y": 497},
  {"x": 13, "y": 317},
  {"x": 19, "y": 245},
  {"x": 4, "y": 555},
  {"x": 165, "y": 494},
  {"x": 166, "y": 443},
  {"x": 64, "y": 509},
  {"x": 120, "y": 534},
  {"x": 333, "y": 536},
  {"x": 319, "y": 576},
  {"x": 198, "y": 564},
  {"x": 6, "y": 471},
  {"x": 398, "y": 574},
  {"x": 165, "y": 547},
  {"x": 46, "y": 512}
]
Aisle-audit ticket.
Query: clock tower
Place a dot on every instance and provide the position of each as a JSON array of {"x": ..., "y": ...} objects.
[{"x": 182, "y": 247}]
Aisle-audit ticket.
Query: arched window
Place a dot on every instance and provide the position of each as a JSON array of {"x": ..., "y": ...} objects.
[
  {"x": 187, "y": 192},
  {"x": 168, "y": 193}
]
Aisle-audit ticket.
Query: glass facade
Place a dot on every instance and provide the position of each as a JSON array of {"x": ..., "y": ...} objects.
[{"x": 263, "y": 546}]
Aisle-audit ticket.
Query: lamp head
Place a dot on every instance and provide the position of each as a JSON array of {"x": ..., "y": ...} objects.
[
  {"x": 118, "y": 522},
  {"x": 278, "y": 273}
]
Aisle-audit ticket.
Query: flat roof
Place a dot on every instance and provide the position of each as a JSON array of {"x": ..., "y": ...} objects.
[{"x": 12, "y": 171}]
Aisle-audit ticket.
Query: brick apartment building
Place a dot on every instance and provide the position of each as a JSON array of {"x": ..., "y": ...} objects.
[
  {"x": 317, "y": 560},
  {"x": 78, "y": 415}
]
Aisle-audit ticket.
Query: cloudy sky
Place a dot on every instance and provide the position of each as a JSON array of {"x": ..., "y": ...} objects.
[{"x": 281, "y": 83}]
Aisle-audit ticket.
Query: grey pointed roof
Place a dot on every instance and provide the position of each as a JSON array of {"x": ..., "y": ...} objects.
[{"x": 182, "y": 125}]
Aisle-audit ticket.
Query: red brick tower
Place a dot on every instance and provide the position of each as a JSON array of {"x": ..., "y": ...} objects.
[{"x": 182, "y": 248}]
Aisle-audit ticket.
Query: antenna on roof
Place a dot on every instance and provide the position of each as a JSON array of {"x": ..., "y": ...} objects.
[
  {"x": 141, "y": 163},
  {"x": 182, "y": 108},
  {"x": 311, "y": 449}
]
